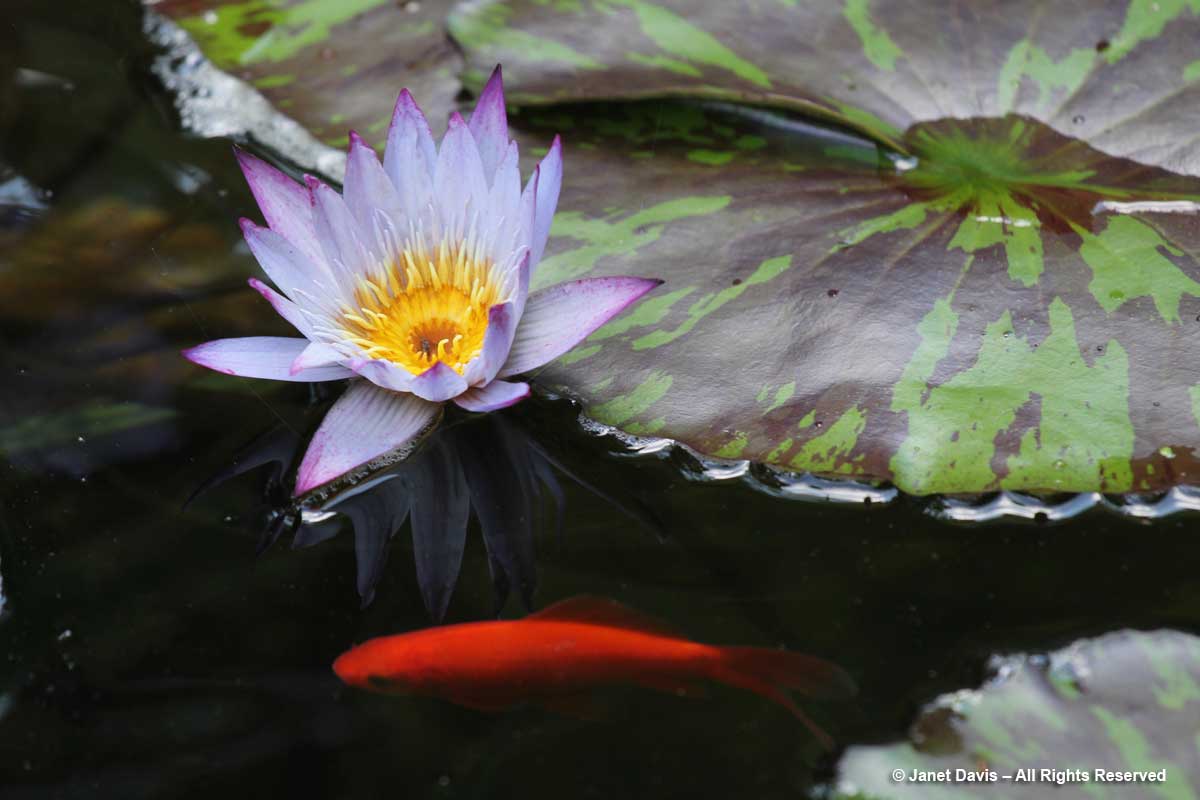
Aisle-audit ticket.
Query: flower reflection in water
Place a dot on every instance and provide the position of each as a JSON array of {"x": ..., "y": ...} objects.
[{"x": 487, "y": 464}]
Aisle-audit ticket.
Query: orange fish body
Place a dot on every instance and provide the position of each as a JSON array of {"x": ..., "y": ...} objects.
[{"x": 570, "y": 648}]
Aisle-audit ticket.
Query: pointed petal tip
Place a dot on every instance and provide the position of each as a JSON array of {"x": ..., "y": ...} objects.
[
  {"x": 244, "y": 158},
  {"x": 247, "y": 225},
  {"x": 196, "y": 355},
  {"x": 456, "y": 120},
  {"x": 357, "y": 141},
  {"x": 495, "y": 83}
]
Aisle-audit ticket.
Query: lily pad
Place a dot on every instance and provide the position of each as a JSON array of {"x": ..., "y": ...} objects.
[
  {"x": 332, "y": 64},
  {"x": 996, "y": 288},
  {"x": 1126, "y": 702}
]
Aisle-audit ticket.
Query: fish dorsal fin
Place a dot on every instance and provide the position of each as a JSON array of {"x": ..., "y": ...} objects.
[{"x": 593, "y": 610}]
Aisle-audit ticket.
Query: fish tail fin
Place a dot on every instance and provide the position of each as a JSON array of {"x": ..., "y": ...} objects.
[{"x": 772, "y": 673}]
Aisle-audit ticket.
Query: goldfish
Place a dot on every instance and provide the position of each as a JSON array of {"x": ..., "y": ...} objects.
[{"x": 583, "y": 643}]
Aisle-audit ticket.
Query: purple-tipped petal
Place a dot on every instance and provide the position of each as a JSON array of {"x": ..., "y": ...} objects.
[
  {"x": 268, "y": 357},
  {"x": 527, "y": 211},
  {"x": 501, "y": 220},
  {"x": 385, "y": 374},
  {"x": 438, "y": 384},
  {"x": 521, "y": 294},
  {"x": 549, "y": 183},
  {"x": 458, "y": 181},
  {"x": 283, "y": 201},
  {"x": 411, "y": 156},
  {"x": 286, "y": 265},
  {"x": 489, "y": 125},
  {"x": 368, "y": 191},
  {"x": 340, "y": 237},
  {"x": 560, "y": 317},
  {"x": 365, "y": 423},
  {"x": 502, "y": 325},
  {"x": 284, "y": 307},
  {"x": 493, "y": 397},
  {"x": 317, "y": 354}
]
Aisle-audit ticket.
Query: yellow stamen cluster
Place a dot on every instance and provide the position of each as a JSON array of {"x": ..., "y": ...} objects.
[{"x": 424, "y": 307}]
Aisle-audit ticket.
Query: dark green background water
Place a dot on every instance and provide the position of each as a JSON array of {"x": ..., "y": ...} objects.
[{"x": 146, "y": 652}]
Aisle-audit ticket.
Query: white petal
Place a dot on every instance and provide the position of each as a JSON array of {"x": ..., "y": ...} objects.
[
  {"x": 365, "y": 423},
  {"x": 268, "y": 357},
  {"x": 560, "y": 317}
]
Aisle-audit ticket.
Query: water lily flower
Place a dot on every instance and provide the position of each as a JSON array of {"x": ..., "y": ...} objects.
[{"x": 414, "y": 281}]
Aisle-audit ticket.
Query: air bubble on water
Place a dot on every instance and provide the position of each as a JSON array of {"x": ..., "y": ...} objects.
[
  {"x": 80, "y": 439},
  {"x": 210, "y": 17},
  {"x": 66, "y": 634}
]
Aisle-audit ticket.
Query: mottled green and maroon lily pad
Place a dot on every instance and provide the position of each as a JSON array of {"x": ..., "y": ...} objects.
[
  {"x": 334, "y": 65},
  {"x": 999, "y": 290},
  {"x": 1124, "y": 702}
]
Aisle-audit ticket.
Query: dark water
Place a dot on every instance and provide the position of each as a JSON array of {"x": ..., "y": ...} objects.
[{"x": 147, "y": 652}]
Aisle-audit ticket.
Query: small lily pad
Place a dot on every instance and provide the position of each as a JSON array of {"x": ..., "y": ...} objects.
[{"x": 1063, "y": 725}]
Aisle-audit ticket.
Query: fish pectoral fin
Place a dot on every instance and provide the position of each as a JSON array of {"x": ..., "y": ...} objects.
[
  {"x": 592, "y": 610},
  {"x": 580, "y": 705}
]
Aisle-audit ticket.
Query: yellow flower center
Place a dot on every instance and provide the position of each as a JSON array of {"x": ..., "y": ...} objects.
[{"x": 424, "y": 308}]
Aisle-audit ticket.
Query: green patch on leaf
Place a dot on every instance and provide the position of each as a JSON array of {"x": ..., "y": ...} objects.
[
  {"x": 486, "y": 26},
  {"x": 1145, "y": 20},
  {"x": 579, "y": 354},
  {"x": 713, "y": 158},
  {"x": 645, "y": 314},
  {"x": 826, "y": 452},
  {"x": 624, "y": 407},
  {"x": 1083, "y": 437},
  {"x": 713, "y": 302},
  {"x": 233, "y": 38},
  {"x": 1129, "y": 260},
  {"x": 878, "y": 46},
  {"x": 784, "y": 394},
  {"x": 662, "y": 62},
  {"x": 734, "y": 447},
  {"x": 683, "y": 40},
  {"x": 622, "y": 237},
  {"x": 1027, "y": 60}
]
